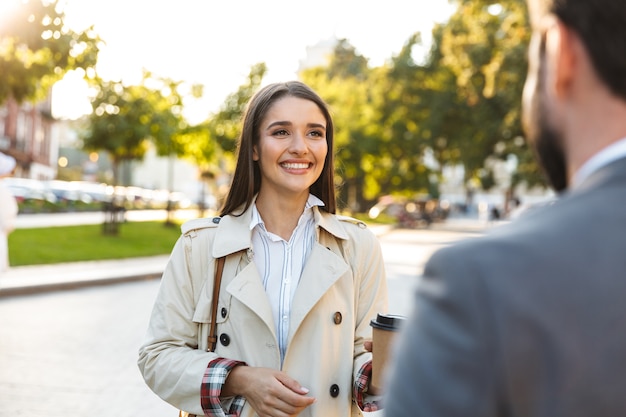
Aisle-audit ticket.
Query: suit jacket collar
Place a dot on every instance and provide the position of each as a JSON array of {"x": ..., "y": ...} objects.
[
  {"x": 234, "y": 234},
  {"x": 614, "y": 171},
  {"x": 604, "y": 157}
]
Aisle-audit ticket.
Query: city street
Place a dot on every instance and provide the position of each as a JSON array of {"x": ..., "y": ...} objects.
[{"x": 74, "y": 352}]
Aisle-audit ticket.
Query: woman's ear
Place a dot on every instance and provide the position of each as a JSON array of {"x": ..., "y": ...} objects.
[{"x": 255, "y": 153}]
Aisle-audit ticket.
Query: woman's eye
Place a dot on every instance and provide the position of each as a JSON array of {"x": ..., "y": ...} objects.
[
  {"x": 317, "y": 133},
  {"x": 280, "y": 132}
]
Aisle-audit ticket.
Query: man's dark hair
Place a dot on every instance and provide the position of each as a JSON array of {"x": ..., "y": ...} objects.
[{"x": 601, "y": 24}]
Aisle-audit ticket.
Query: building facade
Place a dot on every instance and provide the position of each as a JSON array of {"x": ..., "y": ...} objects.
[{"x": 26, "y": 133}]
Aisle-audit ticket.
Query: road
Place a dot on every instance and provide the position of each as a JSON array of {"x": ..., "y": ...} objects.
[{"x": 74, "y": 352}]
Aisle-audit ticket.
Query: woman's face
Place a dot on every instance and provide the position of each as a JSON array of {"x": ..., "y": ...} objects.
[{"x": 292, "y": 146}]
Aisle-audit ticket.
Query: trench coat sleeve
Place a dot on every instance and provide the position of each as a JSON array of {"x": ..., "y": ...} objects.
[
  {"x": 169, "y": 360},
  {"x": 371, "y": 292}
]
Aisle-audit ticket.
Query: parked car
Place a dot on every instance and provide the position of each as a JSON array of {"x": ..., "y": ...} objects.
[
  {"x": 410, "y": 213},
  {"x": 31, "y": 195}
]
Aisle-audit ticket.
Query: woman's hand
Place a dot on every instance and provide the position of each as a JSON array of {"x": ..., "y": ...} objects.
[
  {"x": 271, "y": 393},
  {"x": 368, "y": 345},
  {"x": 373, "y": 406}
]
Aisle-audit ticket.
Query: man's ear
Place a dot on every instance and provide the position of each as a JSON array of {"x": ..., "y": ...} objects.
[{"x": 563, "y": 48}]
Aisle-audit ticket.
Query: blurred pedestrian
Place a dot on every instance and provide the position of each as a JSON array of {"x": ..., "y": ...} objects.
[
  {"x": 8, "y": 209},
  {"x": 300, "y": 283},
  {"x": 529, "y": 320}
]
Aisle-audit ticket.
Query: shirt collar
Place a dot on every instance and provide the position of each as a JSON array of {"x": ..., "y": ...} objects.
[
  {"x": 306, "y": 214},
  {"x": 234, "y": 233},
  {"x": 607, "y": 155}
]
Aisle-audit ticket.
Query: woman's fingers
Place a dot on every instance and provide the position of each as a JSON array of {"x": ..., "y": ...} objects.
[
  {"x": 368, "y": 345},
  {"x": 272, "y": 393}
]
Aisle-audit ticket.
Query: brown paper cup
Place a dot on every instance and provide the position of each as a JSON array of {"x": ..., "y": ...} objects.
[{"x": 384, "y": 329}]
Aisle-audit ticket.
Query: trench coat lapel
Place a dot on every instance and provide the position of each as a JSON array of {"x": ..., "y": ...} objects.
[
  {"x": 233, "y": 235},
  {"x": 321, "y": 271},
  {"x": 247, "y": 288}
]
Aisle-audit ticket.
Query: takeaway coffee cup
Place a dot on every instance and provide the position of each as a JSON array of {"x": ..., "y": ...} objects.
[{"x": 384, "y": 329}]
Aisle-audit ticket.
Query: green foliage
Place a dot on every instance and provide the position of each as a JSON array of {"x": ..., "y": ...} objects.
[
  {"x": 407, "y": 114},
  {"x": 346, "y": 63},
  {"x": 381, "y": 118},
  {"x": 484, "y": 47},
  {"x": 125, "y": 119},
  {"x": 225, "y": 126},
  {"x": 84, "y": 243},
  {"x": 211, "y": 145},
  {"x": 37, "y": 49},
  {"x": 344, "y": 86},
  {"x": 397, "y": 125},
  {"x": 32, "y": 205}
]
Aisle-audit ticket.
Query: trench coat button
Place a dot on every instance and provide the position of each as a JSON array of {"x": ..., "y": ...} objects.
[
  {"x": 224, "y": 312},
  {"x": 337, "y": 318},
  {"x": 225, "y": 339},
  {"x": 334, "y": 390},
  {"x": 216, "y": 220}
]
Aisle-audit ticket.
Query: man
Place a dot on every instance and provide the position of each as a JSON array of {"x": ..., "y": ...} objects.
[{"x": 530, "y": 320}]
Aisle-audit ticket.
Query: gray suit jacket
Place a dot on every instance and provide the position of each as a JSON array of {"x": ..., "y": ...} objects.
[{"x": 529, "y": 320}]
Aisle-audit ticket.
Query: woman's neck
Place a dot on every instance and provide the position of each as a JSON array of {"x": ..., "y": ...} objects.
[{"x": 280, "y": 215}]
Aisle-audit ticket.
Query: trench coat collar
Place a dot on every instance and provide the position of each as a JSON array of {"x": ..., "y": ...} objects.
[{"x": 234, "y": 234}]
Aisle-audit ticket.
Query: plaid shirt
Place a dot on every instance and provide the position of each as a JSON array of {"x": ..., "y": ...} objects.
[
  {"x": 215, "y": 377},
  {"x": 361, "y": 383},
  {"x": 212, "y": 382}
]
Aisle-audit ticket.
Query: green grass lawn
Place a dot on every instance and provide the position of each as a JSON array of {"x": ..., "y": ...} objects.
[
  {"x": 52, "y": 245},
  {"x": 85, "y": 243}
]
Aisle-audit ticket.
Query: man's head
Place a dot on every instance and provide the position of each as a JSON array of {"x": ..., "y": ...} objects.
[{"x": 598, "y": 29}]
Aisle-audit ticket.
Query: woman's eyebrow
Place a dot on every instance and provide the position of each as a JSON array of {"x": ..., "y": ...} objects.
[
  {"x": 288, "y": 123},
  {"x": 279, "y": 123}
]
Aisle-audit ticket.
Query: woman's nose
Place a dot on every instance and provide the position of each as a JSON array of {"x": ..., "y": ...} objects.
[{"x": 298, "y": 144}]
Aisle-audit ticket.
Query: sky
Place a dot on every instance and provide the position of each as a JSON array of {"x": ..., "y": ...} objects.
[{"x": 215, "y": 43}]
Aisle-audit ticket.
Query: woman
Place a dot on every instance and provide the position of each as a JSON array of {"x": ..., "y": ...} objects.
[
  {"x": 8, "y": 210},
  {"x": 300, "y": 284}
]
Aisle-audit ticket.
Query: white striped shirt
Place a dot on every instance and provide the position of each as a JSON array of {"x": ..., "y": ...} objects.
[{"x": 280, "y": 264}]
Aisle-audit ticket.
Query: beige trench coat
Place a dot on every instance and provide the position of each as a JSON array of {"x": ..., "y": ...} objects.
[{"x": 343, "y": 286}]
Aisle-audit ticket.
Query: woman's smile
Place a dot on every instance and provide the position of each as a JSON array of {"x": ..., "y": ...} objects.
[
  {"x": 296, "y": 166},
  {"x": 292, "y": 147}
]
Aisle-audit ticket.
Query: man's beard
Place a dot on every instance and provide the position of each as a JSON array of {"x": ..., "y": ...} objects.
[{"x": 545, "y": 140}]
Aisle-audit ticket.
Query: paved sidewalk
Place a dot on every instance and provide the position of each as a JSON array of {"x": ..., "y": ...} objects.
[{"x": 41, "y": 278}]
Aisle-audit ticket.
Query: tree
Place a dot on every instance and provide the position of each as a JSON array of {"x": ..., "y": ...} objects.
[
  {"x": 484, "y": 46},
  {"x": 345, "y": 85},
  {"x": 225, "y": 126},
  {"x": 126, "y": 118},
  {"x": 415, "y": 99},
  {"x": 211, "y": 145},
  {"x": 37, "y": 49}
]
